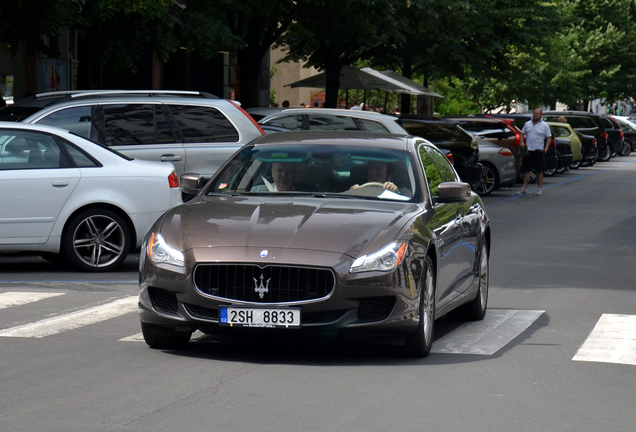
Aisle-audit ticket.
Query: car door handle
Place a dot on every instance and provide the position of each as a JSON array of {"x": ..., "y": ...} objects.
[
  {"x": 170, "y": 158},
  {"x": 59, "y": 183}
]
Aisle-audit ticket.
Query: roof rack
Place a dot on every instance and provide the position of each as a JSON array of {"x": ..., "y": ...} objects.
[{"x": 150, "y": 93}]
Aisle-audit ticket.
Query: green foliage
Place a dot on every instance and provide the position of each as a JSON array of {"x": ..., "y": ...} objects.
[{"x": 457, "y": 98}]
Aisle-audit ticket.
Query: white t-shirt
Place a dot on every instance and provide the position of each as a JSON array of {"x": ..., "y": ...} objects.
[{"x": 536, "y": 134}]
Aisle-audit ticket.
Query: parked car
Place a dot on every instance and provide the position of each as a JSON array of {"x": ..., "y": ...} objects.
[
  {"x": 588, "y": 149},
  {"x": 564, "y": 131},
  {"x": 498, "y": 131},
  {"x": 325, "y": 119},
  {"x": 629, "y": 133},
  {"x": 195, "y": 131},
  {"x": 498, "y": 167},
  {"x": 615, "y": 136},
  {"x": 448, "y": 135},
  {"x": 585, "y": 123},
  {"x": 241, "y": 255},
  {"x": 68, "y": 198},
  {"x": 559, "y": 156}
]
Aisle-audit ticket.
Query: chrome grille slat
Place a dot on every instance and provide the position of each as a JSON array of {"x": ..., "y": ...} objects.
[{"x": 286, "y": 284}]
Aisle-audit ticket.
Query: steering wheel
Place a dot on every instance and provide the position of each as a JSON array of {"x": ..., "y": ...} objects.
[{"x": 372, "y": 184}]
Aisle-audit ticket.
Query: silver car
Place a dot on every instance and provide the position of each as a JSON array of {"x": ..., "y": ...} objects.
[
  {"x": 327, "y": 119},
  {"x": 195, "y": 131},
  {"x": 498, "y": 167}
]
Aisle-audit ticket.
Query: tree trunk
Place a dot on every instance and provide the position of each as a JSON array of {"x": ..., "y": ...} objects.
[
  {"x": 332, "y": 76},
  {"x": 407, "y": 72},
  {"x": 249, "y": 80}
]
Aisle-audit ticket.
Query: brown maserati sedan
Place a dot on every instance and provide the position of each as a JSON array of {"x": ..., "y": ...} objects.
[{"x": 321, "y": 232}]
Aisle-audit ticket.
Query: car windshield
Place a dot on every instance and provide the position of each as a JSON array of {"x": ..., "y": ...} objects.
[{"x": 319, "y": 170}]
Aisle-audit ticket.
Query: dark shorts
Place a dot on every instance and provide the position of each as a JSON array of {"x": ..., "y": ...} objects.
[{"x": 535, "y": 159}]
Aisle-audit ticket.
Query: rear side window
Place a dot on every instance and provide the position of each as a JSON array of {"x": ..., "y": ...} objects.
[
  {"x": 129, "y": 124},
  {"x": 201, "y": 124},
  {"x": 29, "y": 150},
  {"x": 291, "y": 122},
  {"x": 331, "y": 122},
  {"x": 79, "y": 120},
  {"x": 607, "y": 123},
  {"x": 560, "y": 131},
  {"x": 372, "y": 126},
  {"x": 581, "y": 122}
]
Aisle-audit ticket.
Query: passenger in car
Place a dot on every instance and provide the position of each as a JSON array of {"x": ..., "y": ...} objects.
[{"x": 284, "y": 176}]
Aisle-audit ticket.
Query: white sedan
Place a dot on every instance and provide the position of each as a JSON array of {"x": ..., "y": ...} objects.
[{"x": 66, "y": 197}]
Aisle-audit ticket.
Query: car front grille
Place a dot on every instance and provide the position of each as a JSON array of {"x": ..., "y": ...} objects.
[
  {"x": 375, "y": 309},
  {"x": 163, "y": 301},
  {"x": 270, "y": 284}
]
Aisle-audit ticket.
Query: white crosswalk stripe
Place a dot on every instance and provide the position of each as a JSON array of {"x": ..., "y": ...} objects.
[
  {"x": 17, "y": 298},
  {"x": 54, "y": 325},
  {"x": 613, "y": 340}
]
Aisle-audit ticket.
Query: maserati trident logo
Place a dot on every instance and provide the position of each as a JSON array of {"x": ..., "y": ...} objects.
[{"x": 260, "y": 289}]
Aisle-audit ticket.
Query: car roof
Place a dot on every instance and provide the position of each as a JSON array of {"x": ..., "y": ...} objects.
[
  {"x": 580, "y": 113},
  {"x": 350, "y": 138},
  {"x": 53, "y": 98},
  {"x": 333, "y": 111}
]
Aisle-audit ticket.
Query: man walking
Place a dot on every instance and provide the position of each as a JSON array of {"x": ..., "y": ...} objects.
[{"x": 535, "y": 136}]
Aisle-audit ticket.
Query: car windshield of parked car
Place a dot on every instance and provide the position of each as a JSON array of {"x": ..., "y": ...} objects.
[{"x": 320, "y": 170}]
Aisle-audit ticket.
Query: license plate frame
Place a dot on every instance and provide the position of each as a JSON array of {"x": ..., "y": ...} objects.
[{"x": 269, "y": 317}]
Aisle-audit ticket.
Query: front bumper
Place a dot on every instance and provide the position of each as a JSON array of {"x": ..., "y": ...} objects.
[{"x": 374, "y": 302}]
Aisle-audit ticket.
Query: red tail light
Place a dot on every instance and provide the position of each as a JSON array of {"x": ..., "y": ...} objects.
[
  {"x": 173, "y": 180},
  {"x": 450, "y": 158},
  {"x": 248, "y": 116},
  {"x": 517, "y": 134},
  {"x": 505, "y": 152},
  {"x": 594, "y": 142},
  {"x": 604, "y": 135}
]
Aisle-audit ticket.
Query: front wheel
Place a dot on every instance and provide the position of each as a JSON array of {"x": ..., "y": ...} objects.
[
  {"x": 419, "y": 343},
  {"x": 163, "y": 338},
  {"x": 96, "y": 240}
]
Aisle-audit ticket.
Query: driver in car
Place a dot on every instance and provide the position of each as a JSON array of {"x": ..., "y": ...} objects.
[{"x": 379, "y": 172}]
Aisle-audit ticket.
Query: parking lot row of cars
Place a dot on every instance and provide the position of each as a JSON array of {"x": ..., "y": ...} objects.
[{"x": 196, "y": 133}]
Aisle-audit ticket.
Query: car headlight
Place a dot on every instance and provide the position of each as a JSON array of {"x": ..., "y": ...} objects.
[
  {"x": 386, "y": 259},
  {"x": 160, "y": 251}
]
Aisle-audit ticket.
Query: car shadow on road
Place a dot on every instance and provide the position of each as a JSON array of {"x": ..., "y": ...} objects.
[{"x": 330, "y": 350}]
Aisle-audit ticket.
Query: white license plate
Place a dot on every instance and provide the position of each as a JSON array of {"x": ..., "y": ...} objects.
[{"x": 259, "y": 317}]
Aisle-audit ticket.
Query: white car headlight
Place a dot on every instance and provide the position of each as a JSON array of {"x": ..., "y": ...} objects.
[
  {"x": 386, "y": 259},
  {"x": 160, "y": 251}
]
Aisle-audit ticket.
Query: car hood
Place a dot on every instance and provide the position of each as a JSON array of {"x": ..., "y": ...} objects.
[{"x": 333, "y": 225}]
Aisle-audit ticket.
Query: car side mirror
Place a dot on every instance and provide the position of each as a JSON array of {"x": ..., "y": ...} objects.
[
  {"x": 448, "y": 192},
  {"x": 191, "y": 183}
]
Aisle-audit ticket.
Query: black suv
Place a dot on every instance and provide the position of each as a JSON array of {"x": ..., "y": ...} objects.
[
  {"x": 615, "y": 136},
  {"x": 588, "y": 124},
  {"x": 448, "y": 135}
]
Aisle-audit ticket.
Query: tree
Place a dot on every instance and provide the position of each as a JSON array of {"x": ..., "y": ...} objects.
[{"x": 329, "y": 34}]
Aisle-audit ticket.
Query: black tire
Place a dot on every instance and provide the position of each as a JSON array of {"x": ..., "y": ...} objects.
[
  {"x": 627, "y": 149},
  {"x": 96, "y": 240},
  {"x": 561, "y": 167},
  {"x": 605, "y": 155},
  {"x": 419, "y": 343},
  {"x": 549, "y": 172},
  {"x": 475, "y": 310},
  {"x": 164, "y": 338},
  {"x": 575, "y": 165},
  {"x": 489, "y": 180}
]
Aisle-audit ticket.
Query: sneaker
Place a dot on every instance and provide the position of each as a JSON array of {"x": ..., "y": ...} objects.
[
  {"x": 539, "y": 192},
  {"x": 522, "y": 192}
]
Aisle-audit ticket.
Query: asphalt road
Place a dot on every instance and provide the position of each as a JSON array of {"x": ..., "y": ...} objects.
[{"x": 557, "y": 351}]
